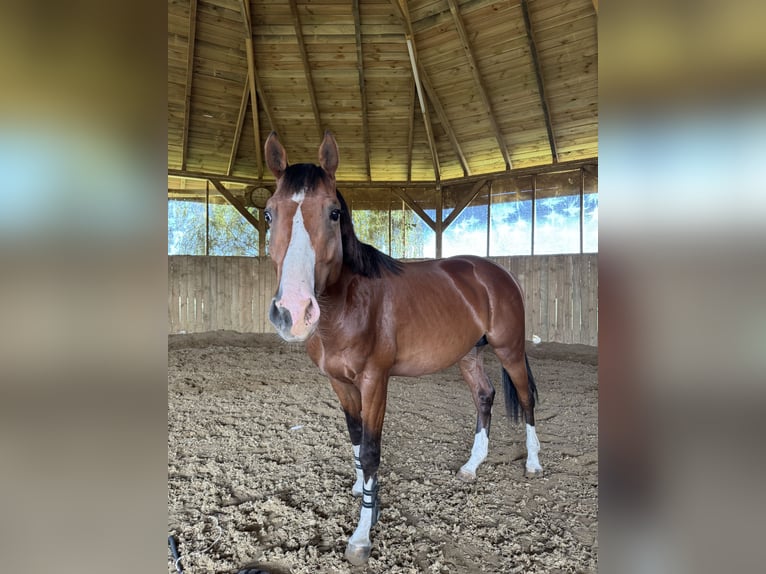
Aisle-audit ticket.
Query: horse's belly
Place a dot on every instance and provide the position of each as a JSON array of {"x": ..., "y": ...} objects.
[{"x": 433, "y": 353}]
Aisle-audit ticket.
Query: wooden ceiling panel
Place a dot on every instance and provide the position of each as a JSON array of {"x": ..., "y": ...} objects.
[{"x": 475, "y": 62}]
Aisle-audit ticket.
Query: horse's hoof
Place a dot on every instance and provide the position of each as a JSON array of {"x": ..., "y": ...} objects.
[
  {"x": 534, "y": 472},
  {"x": 466, "y": 475},
  {"x": 357, "y": 555}
]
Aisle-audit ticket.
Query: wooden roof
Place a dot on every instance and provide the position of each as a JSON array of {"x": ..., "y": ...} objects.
[{"x": 504, "y": 85}]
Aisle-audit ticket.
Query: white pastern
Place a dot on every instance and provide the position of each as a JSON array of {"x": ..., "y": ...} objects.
[
  {"x": 533, "y": 448},
  {"x": 361, "y": 536},
  {"x": 478, "y": 453},
  {"x": 356, "y": 490}
]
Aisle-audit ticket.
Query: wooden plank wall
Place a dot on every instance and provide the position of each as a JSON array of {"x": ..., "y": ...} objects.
[{"x": 234, "y": 293}]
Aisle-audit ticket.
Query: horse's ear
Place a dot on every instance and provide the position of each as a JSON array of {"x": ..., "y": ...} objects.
[
  {"x": 328, "y": 154},
  {"x": 276, "y": 156}
]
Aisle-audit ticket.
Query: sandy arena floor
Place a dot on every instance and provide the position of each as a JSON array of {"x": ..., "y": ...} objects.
[{"x": 257, "y": 443}]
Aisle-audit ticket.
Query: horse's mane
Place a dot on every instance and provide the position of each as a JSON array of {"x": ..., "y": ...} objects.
[{"x": 359, "y": 257}]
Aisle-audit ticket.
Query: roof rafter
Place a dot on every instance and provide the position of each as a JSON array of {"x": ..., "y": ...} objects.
[
  {"x": 444, "y": 120},
  {"x": 411, "y": 128},
  {"x": 265, "y": 104},
  {"x": 404, "y": 14},
  {"x": 245, "y": 9},
  {"x": 306, "y": 66},
  {"x": 238, "y": 129},
  {"x": 540, "y": 84},
  {"x": 479, "y": 81},
  {"x": 362, "y": 89},
  {"x": 189, "y": 76}
]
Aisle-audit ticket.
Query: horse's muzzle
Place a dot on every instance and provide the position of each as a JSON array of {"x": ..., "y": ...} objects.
[{"x": 294, "y": 319}]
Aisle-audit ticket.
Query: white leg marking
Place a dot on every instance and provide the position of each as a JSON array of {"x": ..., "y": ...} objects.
[
  {"x": 533, "y": 447},
  {"x": 356, "y": 490},
  {"x": 359, "y": 545},
  {"x": 478, "y": 453}
]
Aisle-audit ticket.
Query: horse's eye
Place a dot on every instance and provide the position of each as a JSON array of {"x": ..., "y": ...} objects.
[
  {"x": 335, "y": 214},
  {"x": 267, "y": 216}
]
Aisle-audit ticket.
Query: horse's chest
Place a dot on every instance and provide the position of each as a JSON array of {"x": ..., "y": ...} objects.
[{"x": 337, "y": 361}]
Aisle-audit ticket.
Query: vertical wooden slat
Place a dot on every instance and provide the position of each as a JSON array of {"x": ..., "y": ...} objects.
[
  {"x": 565, "y": 304},
  {"x": 593, "y": 292},
  {"x": 199, "y": 295},
  {"x": 205, "y": 271},
  {"x": 577, "y": 334},
  {"x": 173, "y": 284},
  {"x": 184, "y": 295}
]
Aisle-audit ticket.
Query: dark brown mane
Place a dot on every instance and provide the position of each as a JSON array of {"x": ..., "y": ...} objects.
[{"x": 361, "y": 258}]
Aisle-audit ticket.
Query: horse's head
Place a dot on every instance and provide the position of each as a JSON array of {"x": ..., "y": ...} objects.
[{"x": 304, "y": 218}]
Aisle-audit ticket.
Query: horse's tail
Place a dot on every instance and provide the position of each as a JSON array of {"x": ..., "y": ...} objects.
[{"x": 512, "y": 398}]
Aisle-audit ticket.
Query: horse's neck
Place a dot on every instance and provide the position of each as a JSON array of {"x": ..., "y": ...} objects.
[{"x": 335, "y": 298}]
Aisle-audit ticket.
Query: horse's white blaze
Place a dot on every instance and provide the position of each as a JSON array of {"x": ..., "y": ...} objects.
[
  {"x": 297, "y": 283},
  {"x": 361, "y": 536},
  {"x": 533, "y": 447},
  {"x": 478, "y": 452}
]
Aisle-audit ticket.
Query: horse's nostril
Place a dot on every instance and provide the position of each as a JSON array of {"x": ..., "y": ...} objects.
[
  {"x": 312, "y": 312},
  {"x": 280, "y": 316}
]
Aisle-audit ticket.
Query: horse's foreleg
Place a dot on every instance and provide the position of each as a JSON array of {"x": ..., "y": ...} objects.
[
  {"x": 351, "y": 401},
  {"x": 373, "y": 392},
  {"x": 472, "y": 369}
]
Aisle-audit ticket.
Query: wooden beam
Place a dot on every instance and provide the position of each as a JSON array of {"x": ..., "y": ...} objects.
[
  {"x": 404, "y": 196},
  {"x": 189, "y": 77},
  {"x": 267, "y": 108},
  {"x": 364, "y": 184},
  {"x": 424, "y": 108},
  {"x": 306, "y": 66},
  {"x": 238, "y": 130},
  {"x": 235, "y": 202},
  {"x": 261, "y": 233},
  {"x": 444, "y": 121},
  {"x": 409, "y": 36},
  {"x": 478, "y": 81},
  {"x": 245, "y": 9},
  {"x": 463, "y": 203},
  {"x": 540, "y": 84},
  {"x": 411, "y": 128},
  {"x": 362, "y": 89}
]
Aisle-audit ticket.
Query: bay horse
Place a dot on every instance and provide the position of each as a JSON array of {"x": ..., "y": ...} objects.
[{"x": 365, "y": 317}]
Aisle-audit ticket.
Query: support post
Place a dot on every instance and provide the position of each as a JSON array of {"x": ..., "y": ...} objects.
[
  {"x": 534, "y": 210},
  {"x": 439, "y": 222},
  {"x": 582, "y": 206},
  {"x": 261, "y": 233},
  {"x": 207, "y": 218}
]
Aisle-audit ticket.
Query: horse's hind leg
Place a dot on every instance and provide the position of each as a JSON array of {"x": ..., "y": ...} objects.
[
  {"x": 520, "y": 389},
  {"x": 472, "y": 369}
]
